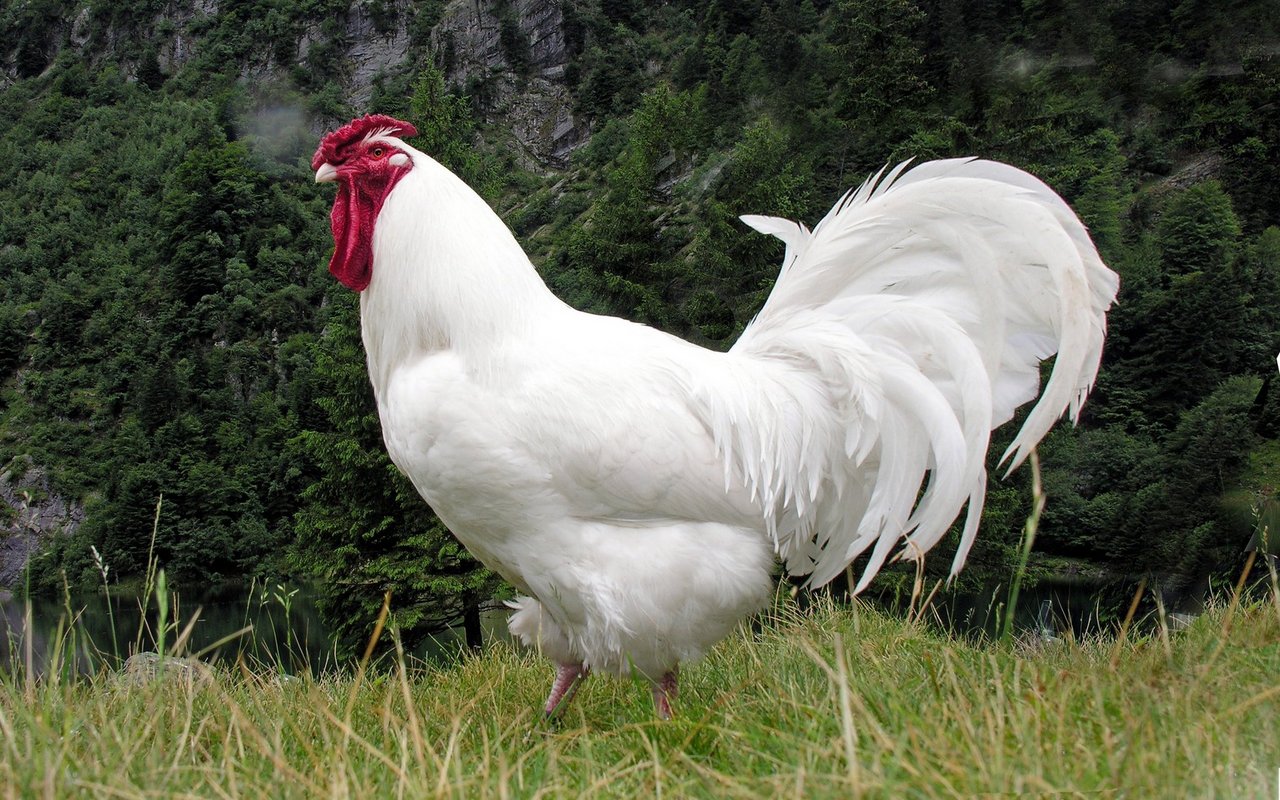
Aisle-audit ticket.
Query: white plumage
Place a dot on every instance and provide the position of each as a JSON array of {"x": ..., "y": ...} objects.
[{"x": 638, "y": 489}]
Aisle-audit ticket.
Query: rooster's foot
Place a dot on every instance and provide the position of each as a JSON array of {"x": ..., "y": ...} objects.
[
  {"x": 664, "y": 693},
  {"x": 568, "y": 677}
]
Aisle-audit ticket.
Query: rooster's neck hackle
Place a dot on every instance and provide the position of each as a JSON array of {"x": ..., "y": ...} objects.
[{"x": 448, "y": 275}]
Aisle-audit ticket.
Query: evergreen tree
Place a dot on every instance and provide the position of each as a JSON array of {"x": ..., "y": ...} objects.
[{"x": 1179, "y": 339}]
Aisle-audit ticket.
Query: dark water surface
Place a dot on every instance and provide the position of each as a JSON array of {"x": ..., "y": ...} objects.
[
  {"x": 90, "y": 631},
  {"x": 1049, "y": 608}
]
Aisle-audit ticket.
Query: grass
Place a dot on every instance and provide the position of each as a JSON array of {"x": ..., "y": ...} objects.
[{"x": 832, "y": 702}]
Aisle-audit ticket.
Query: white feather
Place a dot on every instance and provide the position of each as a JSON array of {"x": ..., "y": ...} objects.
[
  {"x": 637, "y": 487},
  {"x": 962, "y": 275}
]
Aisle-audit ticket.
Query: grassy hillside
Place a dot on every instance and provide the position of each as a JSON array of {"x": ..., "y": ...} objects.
[{"x": 835, "y": 702}]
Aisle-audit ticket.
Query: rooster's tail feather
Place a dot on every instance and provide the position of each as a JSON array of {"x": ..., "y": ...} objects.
[{"x": 918, "y": 312}]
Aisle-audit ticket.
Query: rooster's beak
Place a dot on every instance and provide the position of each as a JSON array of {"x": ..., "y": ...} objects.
[{"x": 327, "y": 173}]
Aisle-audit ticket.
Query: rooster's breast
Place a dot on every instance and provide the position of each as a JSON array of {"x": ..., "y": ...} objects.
[
  {"x": 519, "y": 447},
  {"x": 582, "y": 476}
]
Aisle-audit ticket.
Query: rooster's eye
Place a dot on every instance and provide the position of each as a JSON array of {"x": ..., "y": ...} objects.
[{"x": 377, "y": 152}]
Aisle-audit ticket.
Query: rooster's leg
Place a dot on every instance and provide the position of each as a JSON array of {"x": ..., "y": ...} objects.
[
  {"x": 568, "y": 676},
  {"x": 664, "y": 693}
]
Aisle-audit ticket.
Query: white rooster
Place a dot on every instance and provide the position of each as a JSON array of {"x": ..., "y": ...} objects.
[{"x": 638, "y": 488}]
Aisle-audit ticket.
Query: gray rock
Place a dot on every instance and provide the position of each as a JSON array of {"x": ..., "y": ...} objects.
[
  {"x": 145, "y": 668},
  {"x": 30, "y": 514},
  {"x": 538, "y": 108}
]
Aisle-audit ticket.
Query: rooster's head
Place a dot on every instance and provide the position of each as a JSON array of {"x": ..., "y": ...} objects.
[{"x": 366, "y": 159}]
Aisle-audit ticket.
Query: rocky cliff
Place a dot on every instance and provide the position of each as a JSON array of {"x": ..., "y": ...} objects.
[
  {"x": 29, "y": 514},
  {"x": 536, "y": 104},
  {"x": 515, "y": 49}
]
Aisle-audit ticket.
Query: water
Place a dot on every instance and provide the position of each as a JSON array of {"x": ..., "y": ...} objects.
[
  {"x": 288, "y": 633},
  {"x": 1050, "y": 608},
  {"x": 90, "y": 630}
]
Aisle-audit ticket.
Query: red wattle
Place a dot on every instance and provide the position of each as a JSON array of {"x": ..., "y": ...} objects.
[
  {"x": 355, "y": 210},
  {"x": 352, "y": 224}
]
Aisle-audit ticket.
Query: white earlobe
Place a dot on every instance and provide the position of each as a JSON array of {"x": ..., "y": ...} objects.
[{"x": 399, "y": 159}]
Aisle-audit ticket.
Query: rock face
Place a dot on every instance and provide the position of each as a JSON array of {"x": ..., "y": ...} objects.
[
  {"x": 484, "y": 38},
  {"x": 373, "y": 52},
  {"x": 515, "y": 49},
  {"x": 514, "y": 52},
  {"x": 29, "y": 515}
]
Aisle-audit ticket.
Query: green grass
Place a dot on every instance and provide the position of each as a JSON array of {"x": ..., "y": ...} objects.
[{"x": 836, "y": 702}]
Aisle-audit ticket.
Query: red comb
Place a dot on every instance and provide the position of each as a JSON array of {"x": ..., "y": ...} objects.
[{"x": 354, "y": 131}]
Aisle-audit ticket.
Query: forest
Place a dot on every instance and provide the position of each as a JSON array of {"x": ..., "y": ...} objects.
[{"x": 168, "y": 327}]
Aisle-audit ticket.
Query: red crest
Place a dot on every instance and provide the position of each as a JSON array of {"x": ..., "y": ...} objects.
[{"x": 354, "y": 131}]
